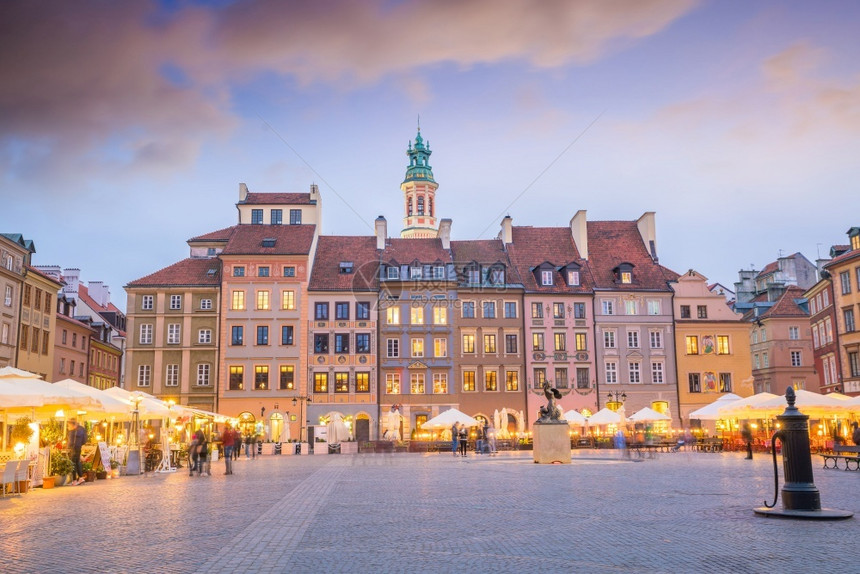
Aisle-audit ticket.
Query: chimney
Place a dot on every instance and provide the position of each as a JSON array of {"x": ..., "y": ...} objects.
[
  {"x": 579, "y": 233},
  {"x": 315, "y": 192},
  {"x": 99, "y": 292},
  {"x": 648, "y": 230},
  {"x": 243, "y": 192},
  {"x": 72, "y": 277},
  {"x": 444, "y": 233},
  {"x": 507, "y": 236},
  {"x": 381, "y": 232}
]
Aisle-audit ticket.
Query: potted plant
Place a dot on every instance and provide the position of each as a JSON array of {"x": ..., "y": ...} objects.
[
  {"x": 114, "y": 469},
  {"x": 21, "y": 431},
  {"x": 61, "y": 467},
  {"x": 89, "y": 473}
]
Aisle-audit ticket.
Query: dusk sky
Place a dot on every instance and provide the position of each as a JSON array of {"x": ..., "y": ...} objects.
[{"x": 126, "y": 127}]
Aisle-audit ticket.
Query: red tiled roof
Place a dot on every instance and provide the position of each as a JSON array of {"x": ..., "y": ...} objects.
[
  {"x": 425, "y": 250},
  {"x": 84, "y": 295},
  {"x": 277, "y": 198},
  {"x": 532, "y": 246},
  {"x": 481, "y": 250},
  {"x": 611, "y": 243},
  {"x": 769, "y": 268},
  {"x": 785, "y": 306},
  {"x": 220, "y": 235},
  {"x": 289, "y": 240},
  {"x": 332, "y": 251},
  {"x": 844, "y": 257},
  {"x": 188, "y": 272}
]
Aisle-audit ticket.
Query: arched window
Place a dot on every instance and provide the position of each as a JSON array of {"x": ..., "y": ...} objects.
[
  {"x": 408, "y": 206},
  {"x": 430, "y": 206},
  {"x": 421, "y": 205}
]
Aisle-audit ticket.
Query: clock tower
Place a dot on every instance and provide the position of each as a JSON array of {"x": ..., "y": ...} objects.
[{"x": 419, "y": 192}]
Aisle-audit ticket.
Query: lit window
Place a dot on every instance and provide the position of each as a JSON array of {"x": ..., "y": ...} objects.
[
  {"x": 341, "y": 382},
  {"x": 392, "y": 383},
  {"x": 362, "y": 382},
  {"x": 288, "y": 378},
  {"x": 512, "y": 382},
  {"x": 320, "y": 382},
  {"x": 560, "y": 342},
  {"x": 392, "y": 315},
  {"x": 416, "y": 384},
  {"x": 692, "y": 345},
  {"x": 288, "y": 300},
  {"x": 722, "y": 344},
  {"x": 468, "y": 343},
  {"x": 417, "y": 316},
  {"x": 537, "y": 311},
  {"x": 262, "y": 300},
  {"x": 489, "y": 343},
  {"x": 440, "y": 315},
  {"x": 417, "y": 347},
  {"x": 491, "y": 382},
  {"x": 440, "y": 383},
  {"x": 237, "y": 376},
  {"x": 440, "y": 347},
  {"x": 468, "y": 381},
  {"x": 238, "y": 303},
  {"x": 537, "y": 342}
]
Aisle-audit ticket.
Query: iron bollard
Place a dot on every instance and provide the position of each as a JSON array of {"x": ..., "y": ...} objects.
[{"x": 800, "y": 496}]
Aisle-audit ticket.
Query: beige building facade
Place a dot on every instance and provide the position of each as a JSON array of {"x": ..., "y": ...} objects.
[{"x": 14, "y": 252}]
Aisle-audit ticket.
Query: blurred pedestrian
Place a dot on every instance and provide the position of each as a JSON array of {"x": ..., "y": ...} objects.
[
  {"x": 855, "y": 436},
  {"x": 192, "y": 454},
  {"x": 228, "y": 439},
  {"x": 463, "y": 436},
  {"x": 746, "y": 433},
  {"x": 455, "y": 431},
  {"x": 490, "y": 432},
  {"x": 77, "y": 439}
]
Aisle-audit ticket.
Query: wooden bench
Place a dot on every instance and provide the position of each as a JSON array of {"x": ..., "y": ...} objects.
[{"x": 850, "y": 455}]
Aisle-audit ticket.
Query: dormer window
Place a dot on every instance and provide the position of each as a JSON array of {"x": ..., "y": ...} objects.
[
  {"x": 268, "y": 242},
  {"x": 346, "y": 266},
  {"x": 624, "y": 273},
  {"x": 497, "y": 275},
  {"x": 572, "y": 278},
  {"x": 438, "y": 272},
  {"x": 393, "y": 272},
  {"x": 546, "y": 278},
  {"x": 473, "y": 275},
  {"x": 415, "y": 272}
]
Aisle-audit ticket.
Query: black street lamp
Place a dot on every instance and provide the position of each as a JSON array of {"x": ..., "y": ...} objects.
[
  {"x": 302, "y": 401},
  {"x": 616, "y": 400}
]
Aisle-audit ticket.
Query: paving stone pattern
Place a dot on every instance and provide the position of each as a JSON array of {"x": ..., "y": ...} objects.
[{"x": 678, "y": 512}]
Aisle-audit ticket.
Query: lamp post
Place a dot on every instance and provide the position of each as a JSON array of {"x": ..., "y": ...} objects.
[
  {"x": 302, "y": 401},
  {"x": 616, "y": 400}
]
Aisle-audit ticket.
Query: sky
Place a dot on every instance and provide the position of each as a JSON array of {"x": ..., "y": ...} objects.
[{"x": 126, "y": 127}]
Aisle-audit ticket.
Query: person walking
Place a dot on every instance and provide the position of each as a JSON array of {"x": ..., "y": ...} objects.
[
  {"x": 463, "y": 436},
  {"x": 202, "y": 453},
  {"x": 455, "y": 431},
  {"x": 746, "y": 433},
  {"x": 479, "y": 439},
  {"x": 192, "y": 454},
  {"x": 77, "y": 439},
  {"x": 490, "y": 432},
  {"x": 228, "y": 439}
]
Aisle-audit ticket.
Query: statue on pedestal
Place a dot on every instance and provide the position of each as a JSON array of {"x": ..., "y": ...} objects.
[{"x": 550, "y": 413}]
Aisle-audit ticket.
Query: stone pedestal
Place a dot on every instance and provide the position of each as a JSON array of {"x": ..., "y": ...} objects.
[{"x": 551, "y": 443}]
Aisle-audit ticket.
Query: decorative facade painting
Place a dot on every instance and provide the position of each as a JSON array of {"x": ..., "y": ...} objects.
[
  {"x": 709, "y": 382},
  {"x": 707, "y": 344}
]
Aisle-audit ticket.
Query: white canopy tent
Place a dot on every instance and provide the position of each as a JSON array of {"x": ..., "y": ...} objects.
[
  {"x": 648, "y": 414},
  {"x": 745, "y": 408},
  {"x": 575, "y": 418},
  {"x": 445, "y": 419},
  {"x": 604, "y": 416},
  {"x": 711, "y": 412}
]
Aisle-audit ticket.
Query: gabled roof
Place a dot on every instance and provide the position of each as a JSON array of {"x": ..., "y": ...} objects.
[
  {"x": 277, "y": 198},
  {"x": 192, "y": 272},
  {"x": 220, "y": 235},
  {"x": 332, "y": 251},
  {"x": 786, "y": 306},
  {"x": 484, "y": 251},
  {"x": 84, "y": 296},
  {"x": 533, "y": 246},
  {"x": 613, "y": 242},
  {"x": 771, "y": 267},
  {"x": 425, "y": 250},
  {"x": 848, "y": 255},
  {"x": 34, "y": 271},
  {"x": 288, "y": 240}
]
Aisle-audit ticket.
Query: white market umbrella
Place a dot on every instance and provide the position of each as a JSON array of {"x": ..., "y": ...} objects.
[
  {"x": 445, "y": 419},
  {"x": 497, "y": 421},
  {"x": 711, "y": 412},
  {"x": 336, "y": 430},
  {"x": 108, "y": 404},
  {"x": 746, "y": 408},
  {"x": 604, "y": 416},
  {"x": 808, "y": 403},
  {"x": 648, "y": 414},
  {"x": 575, "y": 418},
  {"x": 20, "y": 389},
  {"x": 148, "y": 408}
]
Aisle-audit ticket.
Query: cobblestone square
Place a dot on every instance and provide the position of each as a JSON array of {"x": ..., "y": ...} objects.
[{"x": 678, "y": 512}]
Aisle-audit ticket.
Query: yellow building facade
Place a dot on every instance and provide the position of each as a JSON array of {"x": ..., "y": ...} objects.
[{"x": 712, "y": 343}]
